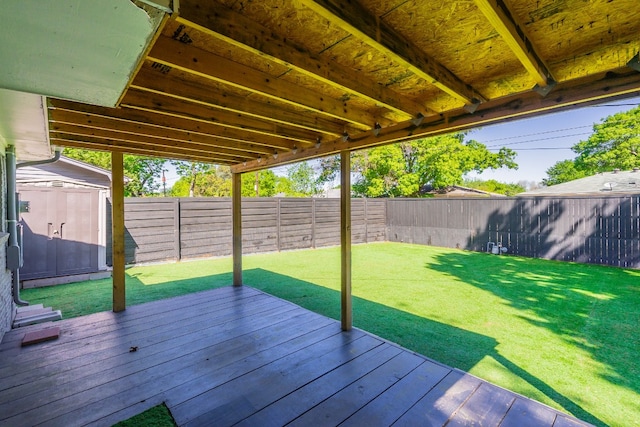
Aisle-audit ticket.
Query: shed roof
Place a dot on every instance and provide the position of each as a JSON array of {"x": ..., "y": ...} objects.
[
  {"x": 257, "y": 84},
  {"x": 616, "y": 182}
]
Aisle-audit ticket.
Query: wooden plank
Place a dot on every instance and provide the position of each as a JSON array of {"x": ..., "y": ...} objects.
[
  {"x": 241, "y": 397},
  {"x": 387, "y": 407},
  {"x": 527, "y": 413},
  {"x": 158, "y": 349},
  {"x": 346, "y": 318},
  {"x": 486, "y": 406},
  {"x": 236, "y": 212},
  {"x": 235, "y": 28},
  {"x": 362, "y": 24},
  {"x": 117, "y": 231},
  {"x": 102, "y": 399},
  {"x": 303, "y": 399},
  {"x": 348, "y": 400},
  {"x": 210, "y": 66},
  {"x": 436, "y": 407}
]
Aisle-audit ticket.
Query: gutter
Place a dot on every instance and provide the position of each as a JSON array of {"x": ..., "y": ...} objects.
[{"x": 14, "y": 254}]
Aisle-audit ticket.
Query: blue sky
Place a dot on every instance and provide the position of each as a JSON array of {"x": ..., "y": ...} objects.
[
  {"x": 540, "y": 141},
  {"x": 544, "y": 140}
]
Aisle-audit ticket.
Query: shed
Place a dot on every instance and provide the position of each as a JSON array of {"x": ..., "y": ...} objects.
[{"x": 63, "y": 220}]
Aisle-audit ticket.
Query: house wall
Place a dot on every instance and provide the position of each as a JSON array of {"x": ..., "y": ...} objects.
[{"x": 6, "y": 301}]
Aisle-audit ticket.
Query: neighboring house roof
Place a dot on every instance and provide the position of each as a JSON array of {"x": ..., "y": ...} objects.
[
  {"x": 65, "y": 170},
  {"x": 616, "y": 182},
  {"x": 460, "y": 191}
]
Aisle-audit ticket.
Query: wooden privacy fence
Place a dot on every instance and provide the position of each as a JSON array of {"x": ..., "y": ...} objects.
[
  {"x": 599, "y": 230},
  {"x": 161, "y": 229}
]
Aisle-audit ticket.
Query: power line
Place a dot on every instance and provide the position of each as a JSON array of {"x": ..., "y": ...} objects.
[{"x": 540, "y": 139}]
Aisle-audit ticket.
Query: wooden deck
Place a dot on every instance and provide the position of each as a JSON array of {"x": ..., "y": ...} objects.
[{"x": 239, "y": 356}]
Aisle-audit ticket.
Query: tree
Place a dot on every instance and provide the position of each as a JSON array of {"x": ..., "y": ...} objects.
[
  {"x": 493, "y": 186},
  {"x": 212, "y": 181},
  {"x": 190, "y": 171},
  {"x": 143, "y": 173},
  {"x": 563, "y": 171},
  {"x": 614, "y": 144},
  {"x": 303, "y": 180},
  {"x": 404, "y": 169},
  {"x": 265, "y": 180}
]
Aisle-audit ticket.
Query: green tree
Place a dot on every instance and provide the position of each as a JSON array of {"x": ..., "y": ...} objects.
[
  {"x": 303, "y": 180},
  {"x": 214, "y": 181},
  {"x": 614, "y": 144},
  {"x": 190, "y": 171},
  {"x": 563, "y": 171},
  {"x": 404, "y": 169},
  {"x": 265, "y": 180},
  {"x": 493, "y": 186},
  {"x": 143, "y": 173}
]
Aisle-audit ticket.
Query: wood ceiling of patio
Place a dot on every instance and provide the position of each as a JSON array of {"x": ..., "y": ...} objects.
[{"x": 255, "y": 84}]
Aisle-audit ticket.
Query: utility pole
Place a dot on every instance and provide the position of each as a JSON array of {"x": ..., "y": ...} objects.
[{"x": 164, "y": 184}]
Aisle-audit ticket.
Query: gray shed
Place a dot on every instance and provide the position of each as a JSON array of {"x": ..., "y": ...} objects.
[{"x": 64, "y": 223}]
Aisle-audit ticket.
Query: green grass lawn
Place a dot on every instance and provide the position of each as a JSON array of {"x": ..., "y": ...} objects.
[{"x": 564, "y": 334}]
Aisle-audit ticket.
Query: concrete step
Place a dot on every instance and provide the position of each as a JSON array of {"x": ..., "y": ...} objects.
[{"x": 46, "y": 315}]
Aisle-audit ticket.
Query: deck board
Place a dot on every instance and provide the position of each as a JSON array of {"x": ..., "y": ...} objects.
[{"x": 239, "y": 356}]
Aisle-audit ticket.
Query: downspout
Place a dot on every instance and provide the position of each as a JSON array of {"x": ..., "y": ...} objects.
[{"x": 14, "y": 259}]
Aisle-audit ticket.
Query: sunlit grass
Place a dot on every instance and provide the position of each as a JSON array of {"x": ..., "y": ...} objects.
[{"x": 562, "y": 333}]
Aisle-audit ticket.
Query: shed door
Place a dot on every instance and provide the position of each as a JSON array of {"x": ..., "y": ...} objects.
[{"x": 60, "y": 234}]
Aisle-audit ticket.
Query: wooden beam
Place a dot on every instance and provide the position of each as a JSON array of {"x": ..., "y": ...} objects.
[
  {"x": 117, "y": 231},
  {"x": 63, "y": 130},
  {"x": 170, "y": 85},
  {"x": 353, "y": 18},
  {"x": 236, "y": 205},
  {"x": 160, "y": 104},
  {"x": 346, "y": 316},
  {"x": 164, "y": 122},
  {"x": 61, "y": 120},
  {"x": 620, "y": 84},
  {"x": 114, "y": 143},
  {"x": 501, "y": 19},
  {"x": 137, "y": 151},
  {"x": 208, "y": 65},
  {"x": 236, "y": 29}
]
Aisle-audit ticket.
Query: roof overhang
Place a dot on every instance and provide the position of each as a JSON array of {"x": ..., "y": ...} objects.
[{"x": 85, "y": 51}]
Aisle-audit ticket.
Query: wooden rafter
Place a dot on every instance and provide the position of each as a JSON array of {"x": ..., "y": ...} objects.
[
  {"x": 212, "y": 146},
  {"x": 501, "y": 19},
  {"x": 192, "y": 130},
  {"x": 162, "y": 104},
  {"x": 125, "y": 148},
  {"x": 223, "y": 23},
  {"x": 98, "y": 138},
  {"x": 359, "y": 22},
  {"x": 168, "y": 85},
  {"x": 583, "y": 91},
  {"x": 61, "y": 120},
  {"x": 184, "y": 57}
]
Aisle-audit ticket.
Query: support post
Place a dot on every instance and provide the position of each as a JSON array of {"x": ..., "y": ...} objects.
[
  {"x": 117, "y": 224},
  {"x": 236, "y": 208},
  {"x": 345, "y": 240}
]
